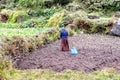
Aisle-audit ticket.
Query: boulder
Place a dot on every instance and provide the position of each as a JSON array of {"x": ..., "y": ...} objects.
[{"x": 116, "y": 28}]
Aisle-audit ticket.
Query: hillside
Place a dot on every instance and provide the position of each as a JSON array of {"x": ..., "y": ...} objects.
[{"x": 30, "y": 27}]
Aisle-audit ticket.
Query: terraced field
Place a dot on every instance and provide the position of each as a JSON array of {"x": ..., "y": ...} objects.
[{"x": 96, "y": 51}]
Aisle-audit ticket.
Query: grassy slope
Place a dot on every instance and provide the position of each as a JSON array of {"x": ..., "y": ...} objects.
[{"x": 13, "y": 74}]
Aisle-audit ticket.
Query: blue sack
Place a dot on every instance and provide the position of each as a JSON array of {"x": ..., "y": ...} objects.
[{"x": 74, "y": 51}]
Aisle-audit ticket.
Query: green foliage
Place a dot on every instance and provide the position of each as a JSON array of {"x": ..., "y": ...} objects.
[
  {"x": 18, "y": 16},
  {"x": 99, "y": 25},
  {"x": 21, "y": 32},
  {"x": 102, "y": 4},
  {"x": 42, "y": 14},
  {"x": 33, "y": 3},
  {"x": 27, "y": 40},
  {"x": 8, "y": 4},
  {"x": 15, "y": 16},
  {"x": 71, "y": 32},
  {"x": 105, "y": 74},
  {"x": 55, "y": 20},
  {"x": 33, "y": 38},
  {"x": 53, "y": 35},
  {"x": 46, "y": 12},
  {"x": 66, "y": 20},
  {"x": 75, "y": 6},
  {"x": 77, "y": 30},
  {"x": 38, "y": 23},
  {"x": 79, "y": 19},
  {"x": 4, "y": 65},
  {"x": 70, "y": 17},
  {"x": 9, "y": 25}
]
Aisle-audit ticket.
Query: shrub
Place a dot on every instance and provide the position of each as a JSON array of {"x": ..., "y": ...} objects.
[
  {"x": 18, "y": 16},
  {"x": 99, "y": 25},
  {"x": 55, "y": 20},
  {"x": 66, "y": 20},
  {"x": 39, "y": 11},
  {"x": 15, "y": 16},
  {"x": 34, "y": 3},
  {"x": 70, "y": 17},
  {"x": 102, "y": 4}
]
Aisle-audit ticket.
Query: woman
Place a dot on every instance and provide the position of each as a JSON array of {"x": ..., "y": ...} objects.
[{"x": 64, "y": 40}]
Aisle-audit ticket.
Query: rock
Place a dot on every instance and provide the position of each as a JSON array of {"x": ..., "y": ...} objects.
[
  {"x": 73, "y": 7},
  {"x": 116, "y": 28},
  {"x": 4, "y": 14},
  {"x": 117, "y": 14},
  {"x": 93, "y": 16},
  {"x": 3, "y": 1},
  {"x": 3, "y": 18},
  {"x": 71, "y": 26},
  {"x": 32, "y": 24},
  {"x": 30, "y": 12}
]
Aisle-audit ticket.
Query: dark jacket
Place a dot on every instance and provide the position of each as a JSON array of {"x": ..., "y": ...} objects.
[{"x": 63, "y": 34}]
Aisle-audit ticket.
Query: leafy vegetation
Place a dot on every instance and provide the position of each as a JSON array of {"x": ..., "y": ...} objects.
[
  {"x": 46, "y": 12},
  {"x": 102, "y": 4},
  {"x": 8, "y": 25},
  {"x": 18, "y": 16},
  {"x": 22, "y": 32},
  {"x": 55, "y": 20},
  {"x": 31, "y": 3},
  {"x": 15, "y": 16},
  {"x": 35, "y": 3}
]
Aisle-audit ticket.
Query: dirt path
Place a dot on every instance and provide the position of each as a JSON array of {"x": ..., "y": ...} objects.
[{"x": 95, "y": 52}]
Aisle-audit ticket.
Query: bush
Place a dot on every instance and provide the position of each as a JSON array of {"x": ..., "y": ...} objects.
[
  {"x": 55, "y": 20},
  {"x": 39, "y": 11},
  {"x": 70, "y": 17},
  {"x": 34, "y": 3},
  {"x": 99, "y": 25},
  {"x": 8, "y": 25},
  {"x": 66, "y": 20},
  {"x": 102, "y": 4},
  {"x": 47, "y": 3},
  {"x": 15, "y": 16},
  {"x": 18, "y": 16}
]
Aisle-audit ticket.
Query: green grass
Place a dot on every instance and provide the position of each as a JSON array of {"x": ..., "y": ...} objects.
[
  {"x": 9, "y": 25},
  {"x": 21, "y": 31},
  {"x": 38, "y": 74}
]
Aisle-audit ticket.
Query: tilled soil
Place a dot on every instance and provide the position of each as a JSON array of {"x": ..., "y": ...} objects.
[{"x": 95, "y": 51}]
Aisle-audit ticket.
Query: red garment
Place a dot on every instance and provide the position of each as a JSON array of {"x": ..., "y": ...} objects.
[{"x": 64, "y": 45}]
